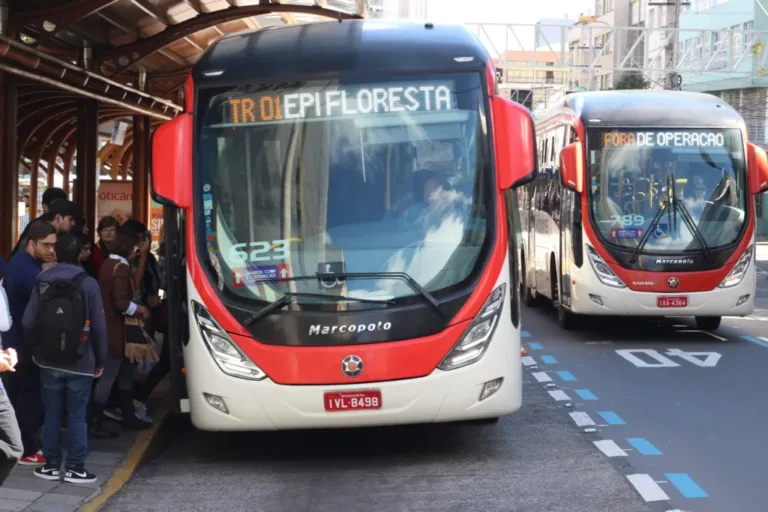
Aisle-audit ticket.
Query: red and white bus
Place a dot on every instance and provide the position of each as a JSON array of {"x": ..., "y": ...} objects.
[
  {"x": 644, "y": 206},
  {"x": 339, "y": 239}
]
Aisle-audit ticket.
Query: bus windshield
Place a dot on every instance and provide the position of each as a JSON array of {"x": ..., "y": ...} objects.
[
  {"x": 692, "y": 182},
  {"x": 344, "y": 176}
]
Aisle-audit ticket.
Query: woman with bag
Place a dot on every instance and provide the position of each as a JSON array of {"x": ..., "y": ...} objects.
[{"x": 122, "y": 313}]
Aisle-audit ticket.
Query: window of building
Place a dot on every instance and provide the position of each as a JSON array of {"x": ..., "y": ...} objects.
[{"x": 748, "y": 26}]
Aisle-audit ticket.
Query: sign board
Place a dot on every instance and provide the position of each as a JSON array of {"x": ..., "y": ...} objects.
[
  {"x": 664, "y": 139},
  {"x": 115, "y": 198},
  {"x": 155, "y": 223},
  {"x": 119, "y": 130},
  {"x": 316, "y": 103}
]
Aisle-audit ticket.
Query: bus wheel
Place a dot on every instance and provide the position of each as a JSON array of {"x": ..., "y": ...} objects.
[
  {"x": 708, "y": 323},
  {"x": 565, "y": 318},
  {"x": 525, "y": 290}
]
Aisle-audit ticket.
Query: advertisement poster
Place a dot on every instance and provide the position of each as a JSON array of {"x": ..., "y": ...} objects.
[
  {"x": 115, "y": 199},
  {"x": 155, "y": 223}
]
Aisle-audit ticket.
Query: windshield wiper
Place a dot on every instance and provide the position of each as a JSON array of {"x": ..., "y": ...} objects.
[
  {"x": 387, "y": 275},
  {"x": 289, "y": 297},
  {"x": 687, "y": 219},
  {"x": 647, "y": 234},
  {"x": 694, "y": 229}
]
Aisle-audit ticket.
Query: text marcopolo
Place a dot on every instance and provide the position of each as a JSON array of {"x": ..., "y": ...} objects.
[{"x": 319, "y": 329}]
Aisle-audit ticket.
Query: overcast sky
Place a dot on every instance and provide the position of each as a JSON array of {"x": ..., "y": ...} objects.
[
  {"x": 507, "y": 11},
  {"x": 519, "y": 12}
]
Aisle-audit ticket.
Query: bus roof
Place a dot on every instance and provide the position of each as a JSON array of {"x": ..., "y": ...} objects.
[
  {"x": 330, "y": 48},
  {"x": 643, "y": 108}
]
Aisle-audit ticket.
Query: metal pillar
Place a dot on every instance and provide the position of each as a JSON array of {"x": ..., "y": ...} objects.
[
  {"x": 9, "y": 164},
  {"x": 141, "y": 154},
  {"x": 87, "y": 149}
]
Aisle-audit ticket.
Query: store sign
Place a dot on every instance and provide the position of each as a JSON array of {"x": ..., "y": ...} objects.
[{"x": 115, "y": 198}]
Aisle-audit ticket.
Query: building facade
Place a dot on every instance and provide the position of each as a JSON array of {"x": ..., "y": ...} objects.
[
  {"x": 531, "y": 78},
  {"x": 729, "y": 60}
]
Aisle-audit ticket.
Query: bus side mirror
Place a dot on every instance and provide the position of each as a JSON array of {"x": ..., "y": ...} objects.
[
  {"x": 757, "y": 163},
  {"x": 172, "y": 162},
  {"x": 572, "y": 166},
  {"x": 513, "y": 143}
]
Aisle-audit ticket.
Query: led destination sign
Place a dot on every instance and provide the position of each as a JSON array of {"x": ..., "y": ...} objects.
[
  {"x": 663, "y": 139},
  {"x": 337, "y": 101}
]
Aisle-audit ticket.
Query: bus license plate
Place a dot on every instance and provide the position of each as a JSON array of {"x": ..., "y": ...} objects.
[
  {"x": 353, "y": 400},
  {"x": 672, "y": 302}
]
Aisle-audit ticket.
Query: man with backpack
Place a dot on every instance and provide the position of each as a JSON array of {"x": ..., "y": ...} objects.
[
  {"x": 24, "y": 383},
  {"x": 65, "y": 326}
]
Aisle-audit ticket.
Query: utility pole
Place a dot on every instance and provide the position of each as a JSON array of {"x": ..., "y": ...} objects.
[{"x": 672, "y": 81}]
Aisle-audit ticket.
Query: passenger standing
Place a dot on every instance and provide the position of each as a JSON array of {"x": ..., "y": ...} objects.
[
  {"x": 24, "y": 384},
  {"x": 49, "y": 196},
  {"x": 76, "y": 316},
  {"x": 11, "y": 448},
  {"x": 85, "y": 253},
  {"x": 117, "y": 293},
  {"x": 107, "y": 231}
]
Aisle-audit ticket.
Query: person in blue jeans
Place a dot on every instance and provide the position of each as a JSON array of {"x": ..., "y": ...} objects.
[{"x": 69, "y": 383}]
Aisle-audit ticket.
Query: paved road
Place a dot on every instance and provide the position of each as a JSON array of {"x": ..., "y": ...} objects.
[
  {"x": 534, "y": 461},
  {"x": 632, "y": 416},
  {"x": 685, "y": 409}
]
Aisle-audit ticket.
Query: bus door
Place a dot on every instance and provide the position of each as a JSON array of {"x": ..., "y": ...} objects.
[{"x": 569, "y": 222}]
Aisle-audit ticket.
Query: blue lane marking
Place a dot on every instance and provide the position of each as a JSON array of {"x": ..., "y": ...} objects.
[
  {"x": 585, "y": 394},
  {"x": 611, "y": 418},
  {"x": 756, "y": 341},
  {"x": 568, "y": 376},
  {"x": 686, "y": 485},
  {"x": 643, "y": 446},
  {"x": 535, "y": 346},
  {"x": 548, "y": 360},
  {"x": 525, "y": 334}
]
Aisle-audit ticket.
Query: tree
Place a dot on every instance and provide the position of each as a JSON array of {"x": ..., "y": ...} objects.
[{"x": 633, "y": 80}]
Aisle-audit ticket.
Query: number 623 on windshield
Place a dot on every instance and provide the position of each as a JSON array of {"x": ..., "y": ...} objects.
[{"x": 259, "y": 251}]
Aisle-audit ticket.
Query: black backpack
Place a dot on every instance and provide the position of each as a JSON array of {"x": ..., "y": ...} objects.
[{"x": 60, "y": 334}]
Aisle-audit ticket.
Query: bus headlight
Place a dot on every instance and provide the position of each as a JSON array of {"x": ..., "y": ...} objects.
[
  {"x": 230, "y": 358},
  {"x": 603, "y": 271},
  {"x": 477, "y": 337},
  {"x": 739, "y": 270}
]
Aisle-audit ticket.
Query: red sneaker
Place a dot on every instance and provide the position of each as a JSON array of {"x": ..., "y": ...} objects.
[{"x": 33, "y": 460}]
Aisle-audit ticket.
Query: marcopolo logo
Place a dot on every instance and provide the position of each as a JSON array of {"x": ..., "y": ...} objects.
[
  {"x": 319, "y": 329},
  {"x": 674, "y": 261}
]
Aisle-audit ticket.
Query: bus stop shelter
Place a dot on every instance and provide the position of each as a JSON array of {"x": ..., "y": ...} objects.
[{"x": 83, "y": 83}]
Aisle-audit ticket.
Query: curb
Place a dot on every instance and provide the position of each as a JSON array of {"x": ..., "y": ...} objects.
[{"x": 141, "y": 447}]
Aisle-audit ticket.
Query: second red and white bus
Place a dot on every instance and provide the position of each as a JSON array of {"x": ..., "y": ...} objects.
[
  {"x": 340, "y": 243},
  {"x": 643, "y": 206}
]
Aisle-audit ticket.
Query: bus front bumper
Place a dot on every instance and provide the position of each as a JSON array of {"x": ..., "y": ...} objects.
[
  {"x": 591, "y": 297},
  {"x": 442, "y": 396}
]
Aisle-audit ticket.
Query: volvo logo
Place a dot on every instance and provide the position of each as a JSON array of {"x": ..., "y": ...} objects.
[
  {"x": 352, "y": 366},
  {"x": 673, "y": 282}
]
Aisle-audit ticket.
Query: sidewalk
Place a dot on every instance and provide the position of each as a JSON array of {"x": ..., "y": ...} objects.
[{"x": 112, "y": 460}]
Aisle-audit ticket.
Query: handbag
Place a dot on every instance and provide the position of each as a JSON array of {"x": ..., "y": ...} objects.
[{"x": 139, "y": 345}]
